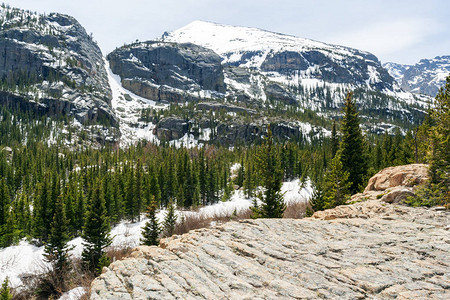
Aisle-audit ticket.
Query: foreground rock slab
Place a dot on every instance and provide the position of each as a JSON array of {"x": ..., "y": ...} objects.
[{"x": 399, "y": 252}]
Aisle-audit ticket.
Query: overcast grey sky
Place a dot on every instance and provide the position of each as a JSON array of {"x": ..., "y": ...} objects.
[{"x": 394, "y": 30}]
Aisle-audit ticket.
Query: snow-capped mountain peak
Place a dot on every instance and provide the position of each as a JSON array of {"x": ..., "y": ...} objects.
[{"x": 231, "y": 41}]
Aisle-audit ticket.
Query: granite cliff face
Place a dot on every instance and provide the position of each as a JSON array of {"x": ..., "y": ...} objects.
[
  {"x": 168, "y": 71},
  {"x": 50, "y": 65},
  {"x": 367, "y": 250}
]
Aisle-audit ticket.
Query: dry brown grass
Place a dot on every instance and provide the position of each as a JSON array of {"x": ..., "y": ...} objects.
[
  {"x": 118, "y": 253},
  {"x": 85, "y": 277},
  {"x": 295, "y": 210},
  {"x": 191, "y": 222}
]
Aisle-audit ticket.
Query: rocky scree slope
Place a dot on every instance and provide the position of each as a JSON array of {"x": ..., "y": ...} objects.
[
  {"x": 367, "y": 250},
  {"x": 425, "y": 77},
  {"x": 50, "y": 65}
]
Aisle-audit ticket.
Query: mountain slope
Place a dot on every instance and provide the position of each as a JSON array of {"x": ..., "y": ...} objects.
[
  {"x": 51, "y": 66},
  {"x": 272, "y": 76},
  {"x": 268, "y": 51}
]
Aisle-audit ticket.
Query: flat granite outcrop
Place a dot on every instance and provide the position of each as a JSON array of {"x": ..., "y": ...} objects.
[{"x": 367, "y": 250}]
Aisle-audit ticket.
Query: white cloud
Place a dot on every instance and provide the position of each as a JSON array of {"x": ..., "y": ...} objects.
[{"x": 385, "y": 38}]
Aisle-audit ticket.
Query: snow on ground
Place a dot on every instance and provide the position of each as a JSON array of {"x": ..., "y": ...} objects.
[
  {"x": 73, "y": 294},
  {"x": 293, "y": 192},
  {"x": 20, "y": 260},
  {"x": 186, "y": 141},
  {"x": 26, "y": 258},
  {"x": 237, "y": 202},
  {"x": 129, "y": 110}
]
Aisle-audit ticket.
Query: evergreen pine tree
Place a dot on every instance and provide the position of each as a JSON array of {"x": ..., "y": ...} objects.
[
  {"x": 212, "y": 185},
  {"x": 9, "y": 232},
  {"x": 334, "y": 140},
  {"x": 151, "y": 230},
  {"x": 56, "y": 249},
  {"x": 4, "y": 202},
  {"x": 4, "y": 291},
  {"x": 440, "y": 155},
  {"x": 272, "y": 203},
  {"x": 138, "y": 191},
  {"x": 70, "y": 207},
  {"x": 170, "y": 219},
  {"x": 96, "y": 230},
  {"x": 171, "y": 179},
  {"x": 130, "y": 197},
  {"x": 41, "y": 211},
  {"x": 80, "y": 210},
  {"x": 354, "y": 160},
  {"x": 249, "y": 180},
  {"x": 202, "y": 176},
  {"x": 317, "y": 201},
  {"x": 336, "y": 184},
  {"x": 407, "y": 153},
  {"x": 240, "y": 175},
  {"x": 118, "y": 212}
]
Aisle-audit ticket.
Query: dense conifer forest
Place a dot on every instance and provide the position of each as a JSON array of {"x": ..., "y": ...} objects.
[{"x": 50, "y": 192}]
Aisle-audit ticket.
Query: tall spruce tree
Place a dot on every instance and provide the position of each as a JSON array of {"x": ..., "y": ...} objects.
[
  {"x": 268, "y": 162},
  {"x": 56, "y": 248},
  {"x": 354, "y": 158},
  {"x": 4, "y": 202},
  {"x": 170, "y": 219},
  {"x": 96, "y": 231},
  {"x": 10, "y": 233},
  {"x": 336, "y": 185},
  {"x": 440, "y": 153},
  {"x": 151, "y": 230},
  {"x": 202, "y": 176},
  {"x": 317, "y": 201},
  {"x": 334, "y": 140}
]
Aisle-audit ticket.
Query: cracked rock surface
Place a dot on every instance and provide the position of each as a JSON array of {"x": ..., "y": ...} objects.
[{"x": 372, "y": 250}]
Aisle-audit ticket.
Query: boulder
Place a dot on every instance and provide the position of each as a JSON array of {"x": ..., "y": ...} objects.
[
  {"x": 397, "y": 195},
  {"x": 407, "y": 175}
]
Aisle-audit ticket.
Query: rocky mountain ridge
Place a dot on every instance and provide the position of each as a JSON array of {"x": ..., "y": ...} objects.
[
  {"x": 238, "y": 80},
  {"x": 425, "y": 77},
  {"x": 261, "y": 70}
]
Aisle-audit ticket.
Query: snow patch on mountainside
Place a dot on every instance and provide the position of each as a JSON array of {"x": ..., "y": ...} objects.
[
  {"x": 250, "y": 48},
  {"x": 396, "y": 70},
  {"x": 128, "y": 107}
]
